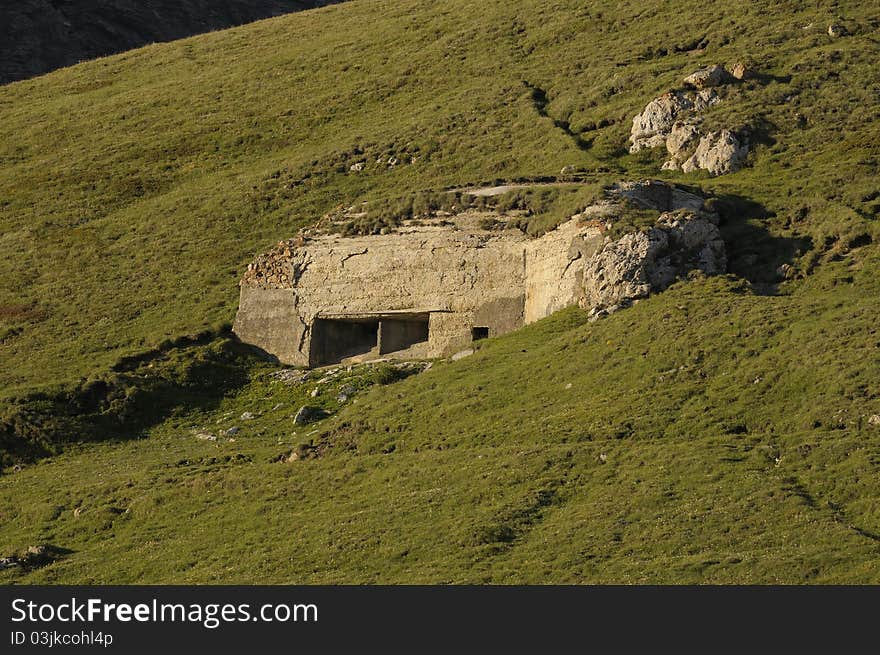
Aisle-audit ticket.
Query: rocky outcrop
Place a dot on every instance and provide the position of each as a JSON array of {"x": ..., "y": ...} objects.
[
  {"x": 431, "y": 289},
  {"x": 652, "y": 127},
  {"x": 38, "y": 36},
  {"x": 681, "y": 137},
  {"x": 685, "y": 238},
  {"x": 673, "y": 120}
]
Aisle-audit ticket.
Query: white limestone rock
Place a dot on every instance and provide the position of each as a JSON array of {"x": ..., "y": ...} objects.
[{"x": 719, "y": 153}]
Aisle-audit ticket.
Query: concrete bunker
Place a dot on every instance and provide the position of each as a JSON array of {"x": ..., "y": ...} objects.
[
  {"x": 432, "y": 288},
  {"x": 429, "y": 290}
]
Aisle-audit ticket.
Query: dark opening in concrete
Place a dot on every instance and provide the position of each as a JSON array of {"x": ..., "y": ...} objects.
[
  {"x": 336, "y": 339},
  {"x": 400, "y": 334},
  {"x": 480, "y": 333}
]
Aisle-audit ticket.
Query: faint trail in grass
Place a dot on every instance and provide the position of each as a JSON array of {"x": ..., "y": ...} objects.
[
  {"x": 541, "y": 101},
  {"x": 794, "y": 486}
]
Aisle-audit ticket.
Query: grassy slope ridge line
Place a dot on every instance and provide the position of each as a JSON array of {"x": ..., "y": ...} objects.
[
  {"x": 38, "y": 36},
  {"x": 191, "y": 372}
]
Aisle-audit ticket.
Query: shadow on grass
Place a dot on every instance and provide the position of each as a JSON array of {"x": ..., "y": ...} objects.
[
  {"x": 123, "y": 405},
  {"x": 766, "y": 78},
  {"x": 753, "y": 253}
]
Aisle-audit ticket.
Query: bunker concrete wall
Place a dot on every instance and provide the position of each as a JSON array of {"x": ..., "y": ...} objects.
[
  {"x": 501, "y": 315},
  {"x": 268, "y": 319},
  {"x": 449, "y": 333}
]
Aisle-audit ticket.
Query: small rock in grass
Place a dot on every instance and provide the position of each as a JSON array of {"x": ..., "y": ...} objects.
[
  {"x": 233, "y": 431},
  {"x": 247, "y": 416},
  {"x": 37, "y": 556},
  {"x": 741, "y": 71},
  {"x": 836, "y": 30},
  {"x": 874, "y": 420},
  {"x": 307, "y": 414}
]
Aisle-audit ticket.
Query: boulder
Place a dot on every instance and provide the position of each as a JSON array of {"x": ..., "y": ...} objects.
[
  {"x": 719, "y": 153},
  {"x": 682, "y": 137},
  {"x": 650, "y": 128},
  {"x": 308, "y": 414},
  {"x": 619, "y": 270},
  {"x": 653, "y": 126},
  {"x": 705, "y": 78}
]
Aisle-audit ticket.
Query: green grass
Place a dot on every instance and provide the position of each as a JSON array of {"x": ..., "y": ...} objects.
[
  {"x": 717, "y": 432},
  {"x": 676, "y": 455}
]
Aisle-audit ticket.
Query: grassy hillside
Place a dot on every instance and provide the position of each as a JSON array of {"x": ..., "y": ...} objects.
[
  {"x": 642, "y": 448},
  {"x": 135, "y": 189},
  {"x": 717, "y": 432}
]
